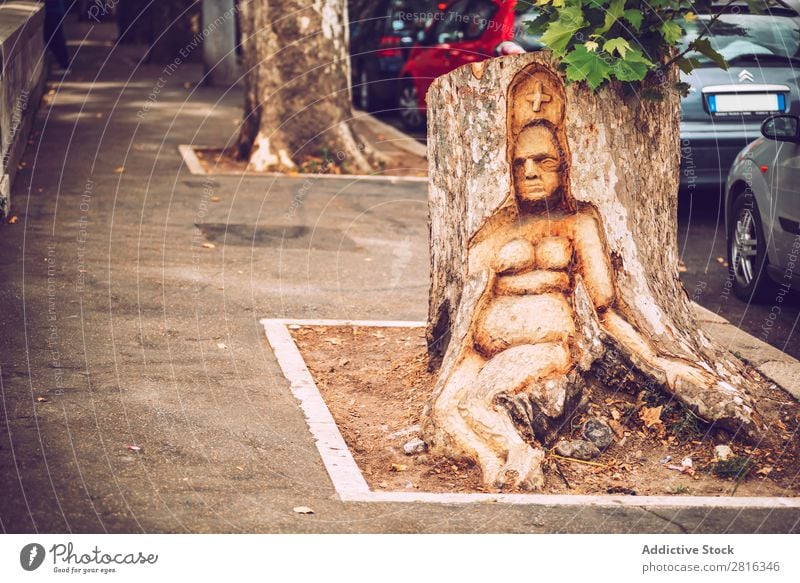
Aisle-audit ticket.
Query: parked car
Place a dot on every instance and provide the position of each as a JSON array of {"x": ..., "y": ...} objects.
[
  {"x": 725, "y": 109},
  {"x": 465, "y": 31},
  {"x": 762, "y": 213},
  {"x": 380, "y": 43}
]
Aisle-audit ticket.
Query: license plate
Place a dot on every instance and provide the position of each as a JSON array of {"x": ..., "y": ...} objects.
[{"x": 723, "y": 103}]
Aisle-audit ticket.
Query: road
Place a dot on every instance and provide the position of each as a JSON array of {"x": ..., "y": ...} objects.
[{"x": 702, "y": 247}]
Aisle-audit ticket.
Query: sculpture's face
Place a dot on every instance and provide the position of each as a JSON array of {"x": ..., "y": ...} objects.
[{"x": 537, "y": 165}]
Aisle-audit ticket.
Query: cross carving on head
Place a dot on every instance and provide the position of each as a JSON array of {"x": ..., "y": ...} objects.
[{"x": 538, "y": 96}]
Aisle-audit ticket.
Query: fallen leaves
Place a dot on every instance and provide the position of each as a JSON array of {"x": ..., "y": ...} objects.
[{"x": 651, "y": 416}]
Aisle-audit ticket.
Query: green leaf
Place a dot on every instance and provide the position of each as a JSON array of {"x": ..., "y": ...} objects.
[
  {"x": 671, "y": 31},
  {"x": 634, "y": 17},
  {"x": 618, "y": 44},
  {"x": 687, "y": 64},
  {"x": 629, "y": 70},
  {"x": 614, "y": 12},
  {"x": 703, "y": 46},
  {"x": 583, "y": 65},
  {"x": 559, "y": 33},
  {"x": 539, "y": 24}
]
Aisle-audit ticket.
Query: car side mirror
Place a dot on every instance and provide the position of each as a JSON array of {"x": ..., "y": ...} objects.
[{"x": 783, "y": 128}]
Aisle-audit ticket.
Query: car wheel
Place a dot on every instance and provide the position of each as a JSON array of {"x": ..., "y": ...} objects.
[
  {"x": 747, "y": 251},
  {"x": 411, "y": 116}
]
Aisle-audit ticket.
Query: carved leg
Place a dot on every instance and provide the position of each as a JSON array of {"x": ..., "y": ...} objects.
[{"x": 518, "y": 369}]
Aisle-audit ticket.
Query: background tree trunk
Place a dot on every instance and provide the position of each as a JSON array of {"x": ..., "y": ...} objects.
[
  {"x": 297, "y": 85},
  {"x": 624, "y": 155}
]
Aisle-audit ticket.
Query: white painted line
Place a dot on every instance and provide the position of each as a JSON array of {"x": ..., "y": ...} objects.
[
  {"x": 336, "y": 456},
  {"x": 349, "y": 482},
  {"x": 192, "y": 162},
  {"x": 365, "y": 323},
  {"x": 610, "y": 501}
]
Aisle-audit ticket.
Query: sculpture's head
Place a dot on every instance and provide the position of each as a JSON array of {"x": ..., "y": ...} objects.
[
  {"x": 538, "y": 164},
  {"x": 538, "y": 151}
]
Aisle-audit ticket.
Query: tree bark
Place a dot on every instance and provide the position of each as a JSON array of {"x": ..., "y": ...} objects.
[
  {"x": 297, "y": 86},
  {"x": 536, "y": 297}
]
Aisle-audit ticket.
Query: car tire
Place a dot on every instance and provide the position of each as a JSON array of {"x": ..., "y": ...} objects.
[
  {"x": 747, "y": 251},
  {"x": 411, "y": 116}
]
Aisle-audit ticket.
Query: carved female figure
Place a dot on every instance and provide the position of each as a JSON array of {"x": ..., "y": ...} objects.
[{"x": 548, "y": 313}]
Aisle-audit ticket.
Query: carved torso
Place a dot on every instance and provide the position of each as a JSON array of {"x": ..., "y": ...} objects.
[{"x": 530, "y": 302}]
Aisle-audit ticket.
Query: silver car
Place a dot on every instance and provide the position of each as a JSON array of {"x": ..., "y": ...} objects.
[{"x": 762, "y": 213}]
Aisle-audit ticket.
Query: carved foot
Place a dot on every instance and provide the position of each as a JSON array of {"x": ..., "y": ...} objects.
[{"x": 523, "y": 469}]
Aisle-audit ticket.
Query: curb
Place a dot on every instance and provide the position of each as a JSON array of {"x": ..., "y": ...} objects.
[
  {"x": 770, "y": 362},
  {"x": 351, "y": 486},
  {"x": 195, "y": 167},
  {"x": 398, "y": 138}
]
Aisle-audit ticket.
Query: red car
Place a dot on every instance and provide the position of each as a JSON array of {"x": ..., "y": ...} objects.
[{"x": 465, "y": 31}]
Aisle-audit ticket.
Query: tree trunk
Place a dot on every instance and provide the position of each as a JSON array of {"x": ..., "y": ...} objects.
[
  {"x": 554, "y": 265},
  {"x": 219, "y": 45},
  {"x": 297, "y": 86}
]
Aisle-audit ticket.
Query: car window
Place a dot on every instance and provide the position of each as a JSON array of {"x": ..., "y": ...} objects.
[
  {"x": 451, "y": 28},
  {"x": 742, "y": 35},
  {"x": 478, "y": 18}
]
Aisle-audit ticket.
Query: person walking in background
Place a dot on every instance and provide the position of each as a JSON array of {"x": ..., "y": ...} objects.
[{"x": 54, "y": 13}]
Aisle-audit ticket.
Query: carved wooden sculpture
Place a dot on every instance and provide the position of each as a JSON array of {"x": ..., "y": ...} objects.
[{"x": 532, "y": 304}]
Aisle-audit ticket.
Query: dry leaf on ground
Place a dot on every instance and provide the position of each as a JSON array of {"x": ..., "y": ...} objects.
[{"x": 651, "y": 416}]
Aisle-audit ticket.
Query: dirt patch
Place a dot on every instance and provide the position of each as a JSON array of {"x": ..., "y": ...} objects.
[
  {"x": 376, "y": 381},
  {"x": 397, "y": 161}
]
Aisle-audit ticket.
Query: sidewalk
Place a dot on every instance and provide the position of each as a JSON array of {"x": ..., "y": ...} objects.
[{"x": 124, "y": 324}]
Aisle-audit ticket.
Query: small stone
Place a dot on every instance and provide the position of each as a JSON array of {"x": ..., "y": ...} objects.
[
  {"x": 415, "y": 446},
  {"x": 723, "y": 452},
  {"x": 577, "y": 448},
  {"x": 598, "y": 432}
]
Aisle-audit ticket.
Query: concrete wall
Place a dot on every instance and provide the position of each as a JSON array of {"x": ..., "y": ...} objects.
[{"x": 22, "y": 67}]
